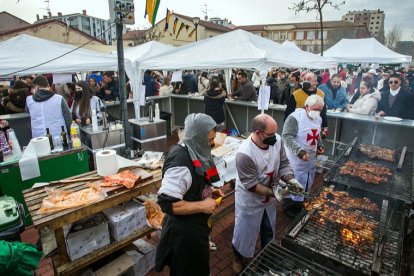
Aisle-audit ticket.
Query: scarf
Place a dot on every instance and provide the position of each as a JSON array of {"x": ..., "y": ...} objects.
[{"x": 197, "y": 127}]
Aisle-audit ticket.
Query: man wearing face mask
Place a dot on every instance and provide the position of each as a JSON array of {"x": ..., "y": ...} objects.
[
  {"x": 299, "y": 97},
  {"x": 301, "y": 133},
  {"x": 261, "y": 162}
]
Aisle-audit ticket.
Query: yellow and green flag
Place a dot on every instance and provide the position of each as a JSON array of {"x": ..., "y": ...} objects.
[
  {"x": 167, "y": 20},
  {"x": 151, "y": 9}
]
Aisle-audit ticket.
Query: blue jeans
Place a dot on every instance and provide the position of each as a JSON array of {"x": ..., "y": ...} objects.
[{"x": 266, "y": 232}]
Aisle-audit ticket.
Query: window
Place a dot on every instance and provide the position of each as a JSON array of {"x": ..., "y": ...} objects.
[
  {"x": 290, "y": 36},
  {"x": 377, "y": 22},
  {"x": 299, "y": 35},
  {"x": 283, "y": 36},
  {"x": 376, "y": 27},
  {"x": 311, "y": 35},
  {"x": 275, "y": 36}
]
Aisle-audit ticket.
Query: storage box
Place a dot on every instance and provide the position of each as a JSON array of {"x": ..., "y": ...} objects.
[
  {"x": 125, "y": 218},
  {"x": 139, "y": 267},
  {"x": 148, "y": 251},
  {"x": 86, "y": 236}
]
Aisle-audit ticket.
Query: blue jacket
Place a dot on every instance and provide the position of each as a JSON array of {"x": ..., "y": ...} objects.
[
  {"x": 340, "y": 101},
  {"x": 150, "y": 86}
]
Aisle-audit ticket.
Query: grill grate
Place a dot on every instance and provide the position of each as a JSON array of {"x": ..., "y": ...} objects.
[
  {"x": 275, "y": 260},
  {"x": 324, "y": 243},
  {"x": 399, "y": 185}
]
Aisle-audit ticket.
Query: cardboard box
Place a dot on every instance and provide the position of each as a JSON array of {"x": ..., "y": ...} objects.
[
  {"x": 138, "y": 258},
  {"x": 148, "y": 251},
  {"x": 86, "y": 236},
  {"x": 125, "y": 218}
]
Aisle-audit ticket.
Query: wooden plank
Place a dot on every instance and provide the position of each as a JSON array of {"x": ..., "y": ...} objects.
[
  {"x": 35, "y": 204},
  {"x": 71, "y": 215},
  {"x": 69, "y": 268},
  {"x": 116, "y": 267},
  {"x": 61, "y": 245}
]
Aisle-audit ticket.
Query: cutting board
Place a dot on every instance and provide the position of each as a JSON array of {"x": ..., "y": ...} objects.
[{"x": 116, "y": 189}]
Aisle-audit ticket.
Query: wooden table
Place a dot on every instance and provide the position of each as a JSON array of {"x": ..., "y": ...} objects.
[{"x": 56, "y": 221}]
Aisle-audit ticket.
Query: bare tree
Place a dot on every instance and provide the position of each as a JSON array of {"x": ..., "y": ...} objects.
[
  {"x": 316, "y": 5},
  {"x": 142, "y": 36},
  {"x": 393, "y": 36}
]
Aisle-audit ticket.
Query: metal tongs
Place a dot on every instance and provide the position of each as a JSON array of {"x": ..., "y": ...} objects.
[{"x": 292, "y": 189}]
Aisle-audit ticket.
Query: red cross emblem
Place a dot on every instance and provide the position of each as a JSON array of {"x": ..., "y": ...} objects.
[{"x": 314, "y": 137}]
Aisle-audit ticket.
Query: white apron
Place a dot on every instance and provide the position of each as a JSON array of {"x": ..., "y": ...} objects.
[
  {"x": 250, "y": 206},
  {"x": 307, "y": 137}
]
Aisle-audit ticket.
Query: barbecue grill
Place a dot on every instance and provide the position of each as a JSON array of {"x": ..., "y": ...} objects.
[
  {"x": 398, "y": 186},
  {"x": 340, "y": 248},
  {"x": 276, "y": 260}
]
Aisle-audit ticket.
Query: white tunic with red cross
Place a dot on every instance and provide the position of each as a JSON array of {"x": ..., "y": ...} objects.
[{"x": 307, "y": 137}]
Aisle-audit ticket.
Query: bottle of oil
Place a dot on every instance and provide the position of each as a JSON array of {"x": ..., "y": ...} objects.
[
  {"x": 74, "y": 135},
  {"x": 49, "y": 136},
  {"x": 64, "y": 137}
]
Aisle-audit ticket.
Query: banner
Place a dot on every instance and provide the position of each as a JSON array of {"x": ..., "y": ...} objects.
[
  {"x": 175, "y": 24},
  {"x": 167, "y": 19},
  {"x": 179, "y": 30},
  {"x": 151, "y": 9}
]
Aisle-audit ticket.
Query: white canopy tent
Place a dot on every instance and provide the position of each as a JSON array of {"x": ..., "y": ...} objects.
[
  {"x": 24, "y": 54},
  {"x": 136, "y": 55},
  {"x": 236, "y": 49},
  {"x": 291, "y": 44},
  {"x": 364, "y": 50}
]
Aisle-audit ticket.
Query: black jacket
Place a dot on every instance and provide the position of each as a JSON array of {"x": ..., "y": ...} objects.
[
  {"x": 214, "y": 103},
  {"x": 403, "y": 106}
]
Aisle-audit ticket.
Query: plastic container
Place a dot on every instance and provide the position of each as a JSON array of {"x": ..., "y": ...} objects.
[
  {"x": 11, "y": 219},
  {"x": 17, "y": 151},
  {"x": 74, "y": 135}
]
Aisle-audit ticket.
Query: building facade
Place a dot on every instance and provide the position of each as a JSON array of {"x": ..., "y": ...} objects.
[
  {"x": 374, "y": 20},
  {"x": 10, "y": 22},
  {"x": 222, "y": 22},
  {"x": 99, "y": 28},
  {"x": 307, "y": 36},
  {"x": 54, "y": 30},
  {"x": 181, "y": 30}
]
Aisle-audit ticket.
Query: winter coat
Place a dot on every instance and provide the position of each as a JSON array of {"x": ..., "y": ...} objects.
[
  {"x": 341, "y": 99},
  {"x": 366, "y": 104},
  {"x": 214, "y": 104},
  {"x": 274, "y": 90},
  {"x": 203, "y": 86}
]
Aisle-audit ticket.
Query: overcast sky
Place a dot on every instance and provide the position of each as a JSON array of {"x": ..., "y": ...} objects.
[{"x": 240, "y": 12}]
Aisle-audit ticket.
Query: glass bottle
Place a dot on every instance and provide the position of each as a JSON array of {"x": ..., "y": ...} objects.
[{"x": 49, "y": 136}]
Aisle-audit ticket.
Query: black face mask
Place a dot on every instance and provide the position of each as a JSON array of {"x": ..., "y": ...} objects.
[
  {"x": 270, "y": 140},
  {"x": 306, "y": 85},
  {"x": 78, "y": 94}
]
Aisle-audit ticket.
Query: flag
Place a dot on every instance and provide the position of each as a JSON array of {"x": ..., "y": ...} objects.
[
  {"x": 167, "y": 19},
  {"x": 191, "y": 33},
  {"x": 151, "y": 9},
  {"x": 187, "y": 27},
  {"x": 179, "y": 30},
  {"x": 175, "y": 24}
]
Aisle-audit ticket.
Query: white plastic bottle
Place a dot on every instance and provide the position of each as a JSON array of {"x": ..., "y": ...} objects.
[
  {"x": 74, "y": 135},
  {"x": 157, "y": 111}
]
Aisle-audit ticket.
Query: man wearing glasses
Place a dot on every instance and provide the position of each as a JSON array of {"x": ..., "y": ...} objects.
[
  {"x": 396, "y": 101},
  {"x": 260, "y": 161}
]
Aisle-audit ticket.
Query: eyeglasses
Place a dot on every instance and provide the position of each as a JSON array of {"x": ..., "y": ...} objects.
[{"x": 394, "y": 82}]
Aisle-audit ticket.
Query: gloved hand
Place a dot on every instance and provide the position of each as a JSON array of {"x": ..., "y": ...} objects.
[
  {"x": 295, "y": 186},
  {"x": 280, "y": 192}
]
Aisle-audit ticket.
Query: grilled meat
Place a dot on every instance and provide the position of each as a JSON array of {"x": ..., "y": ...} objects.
[
  {"x": 368, "y": 172},
  {"x": 347, "y": 212},
  {"x": 376, "y": 152}
]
